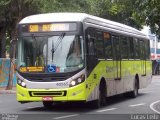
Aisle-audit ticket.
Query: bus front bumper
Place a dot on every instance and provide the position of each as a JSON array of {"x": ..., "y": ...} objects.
[{"x": 76, "y": 93}]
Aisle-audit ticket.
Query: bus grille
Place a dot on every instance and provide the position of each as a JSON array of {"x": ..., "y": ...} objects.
[
  {"x": 46, "y": 79},
  {"x": 47, "y": 93}
]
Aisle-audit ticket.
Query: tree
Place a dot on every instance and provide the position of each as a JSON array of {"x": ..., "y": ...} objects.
[
  {"x": 116, "y": 10},
  {"x": 12, "y": 11},
  {"x": 147, "y": 12},
  {"x": 64, "y": 6}
]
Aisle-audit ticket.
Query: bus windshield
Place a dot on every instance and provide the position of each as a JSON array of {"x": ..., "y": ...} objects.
[{"x": 50, "y": 54}]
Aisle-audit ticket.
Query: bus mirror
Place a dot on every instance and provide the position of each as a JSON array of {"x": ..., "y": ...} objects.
[{"x": 13, "y": 42}]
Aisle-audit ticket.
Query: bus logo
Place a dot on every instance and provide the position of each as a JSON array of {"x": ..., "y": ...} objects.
[{"x": 51, "y": 68}]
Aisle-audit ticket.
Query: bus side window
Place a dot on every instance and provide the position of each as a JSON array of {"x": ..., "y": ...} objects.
[
  {"x": 90, "y": 47},
  {"x": 108, "y": 46},
  {"x": 116, "y": 48},
  {"x": 136, "y": 47},
  {"x": 99, "y": 44},
  {"x": 147, "y": 49},
  {"x": 91, "y": 42},
  {"x": 142, "y": 50},
  {"x": 124, "y": 47},
  {"x": 131, "y": 48}
]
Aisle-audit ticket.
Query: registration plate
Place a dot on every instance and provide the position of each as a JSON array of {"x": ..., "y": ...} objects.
[{"x": 47, "y": 98}]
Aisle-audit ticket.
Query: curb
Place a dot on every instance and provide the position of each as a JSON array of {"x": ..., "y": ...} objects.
[
  {"x": 155, "y": 77},
  {"x": 7, "y": 92}
]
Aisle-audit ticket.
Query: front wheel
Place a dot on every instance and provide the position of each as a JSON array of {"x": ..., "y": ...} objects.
[{"x": 102, "y": 98}]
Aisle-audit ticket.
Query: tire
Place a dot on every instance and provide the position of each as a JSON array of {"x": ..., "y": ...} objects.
[
  {"x": 134, "y": 93},
  {"x": 48, "y": 104},
  {"x": 102, "y": 98}
]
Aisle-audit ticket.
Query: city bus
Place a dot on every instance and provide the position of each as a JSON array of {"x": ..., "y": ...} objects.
[{"x": 77, "y": 57}]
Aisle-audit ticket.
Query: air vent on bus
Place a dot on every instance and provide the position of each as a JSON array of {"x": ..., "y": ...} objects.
[{"x": 47, "y": 93}]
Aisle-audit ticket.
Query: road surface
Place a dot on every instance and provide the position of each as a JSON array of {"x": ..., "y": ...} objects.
[{"x": 145, "y": 106}]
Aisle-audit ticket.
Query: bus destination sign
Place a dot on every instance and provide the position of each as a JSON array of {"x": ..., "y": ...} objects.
[{"x": 49, "y": 27}]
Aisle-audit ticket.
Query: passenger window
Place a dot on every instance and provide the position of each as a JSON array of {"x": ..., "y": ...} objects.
[
  {"x": 108, "y": 46},
  {"x": 116, "y": 48},
  {"x": 136, "y": 47},
  {"x": 124, "y": 47},
  {"x": 131, "y": 47},
  {"x": 99, "y": 44}
]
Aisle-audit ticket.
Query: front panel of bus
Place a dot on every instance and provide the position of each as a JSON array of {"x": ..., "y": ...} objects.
[{"x": 51, "y": 62}]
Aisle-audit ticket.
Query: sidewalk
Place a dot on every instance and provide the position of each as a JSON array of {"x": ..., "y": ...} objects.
[
  {"x": 156, "y": 77},
  {"x": 4, "y": 91}
]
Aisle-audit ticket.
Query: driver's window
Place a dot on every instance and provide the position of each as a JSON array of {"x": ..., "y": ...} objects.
[{"x": 74, "y": 57}]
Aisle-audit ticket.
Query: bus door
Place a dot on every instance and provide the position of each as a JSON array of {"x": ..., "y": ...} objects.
[
  {"x": 91, "y": 54},
  {"x": 116, "y": 58},
  {"x": 143, "y": 57}
]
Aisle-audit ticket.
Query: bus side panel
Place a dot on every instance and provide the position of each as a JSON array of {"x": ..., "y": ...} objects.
[
  {"x": 104, "y": 69},
  {"x": 146, "y": 80}
]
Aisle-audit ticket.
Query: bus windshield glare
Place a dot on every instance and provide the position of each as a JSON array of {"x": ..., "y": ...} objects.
[{"x": 50, "y": 54}]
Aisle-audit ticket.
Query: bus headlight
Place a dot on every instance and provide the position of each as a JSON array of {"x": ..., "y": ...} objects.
[
  {"x": 77, "y": 81},
  {"x": 21, "y": 83}
]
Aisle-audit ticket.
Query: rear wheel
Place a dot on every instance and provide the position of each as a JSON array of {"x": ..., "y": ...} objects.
[
  {"x": 134, "y": 93},
  {"x": 47, "y": 104}
]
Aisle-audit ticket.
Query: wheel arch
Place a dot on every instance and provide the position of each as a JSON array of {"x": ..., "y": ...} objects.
[{"x": 103, "y": 85}]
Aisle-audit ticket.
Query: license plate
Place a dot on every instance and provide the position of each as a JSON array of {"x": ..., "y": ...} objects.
[{"x": 47, "y": 98}]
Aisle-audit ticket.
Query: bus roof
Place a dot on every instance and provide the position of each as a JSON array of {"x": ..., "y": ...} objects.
[
  {"x": 54, "y": 17},
  {"x": 79, "y": 17}
]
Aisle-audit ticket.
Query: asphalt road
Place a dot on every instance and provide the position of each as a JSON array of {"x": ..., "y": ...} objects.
[{"x": 145, "y": 106}]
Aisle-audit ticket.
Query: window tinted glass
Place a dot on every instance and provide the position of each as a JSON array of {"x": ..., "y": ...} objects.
[
  {"x": 131, "y": 47},
  {"x": 136, "y": 47},
  {"x": 116, "y": 48},
  {"x": 99, "y": 44},
  {"x": 108, "y": 46},
  {"x": 124, "y": 47}
]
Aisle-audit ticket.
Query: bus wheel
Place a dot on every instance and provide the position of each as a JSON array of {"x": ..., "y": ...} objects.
[
  {"x": 102, "y": 97},
  {"x": 47, "y": 104},
  {"x": 134, "y": 93}
]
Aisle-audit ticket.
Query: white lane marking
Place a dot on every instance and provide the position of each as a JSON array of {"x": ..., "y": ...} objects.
[
  {"x": 157, "y": 84},
  {"x": 34, "y": 107},
  {"x": 147, "y": 92},
  {"x": 67, "y": 116},
  {"x": 135, "y": 105},
  {"x": 105, "y": 110},
  {"x": 153, "y": 81},
  {"x": 152, "y": 106}
]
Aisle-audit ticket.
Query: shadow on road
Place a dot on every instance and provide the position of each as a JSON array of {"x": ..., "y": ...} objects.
[{"x": 77, "y": 107}]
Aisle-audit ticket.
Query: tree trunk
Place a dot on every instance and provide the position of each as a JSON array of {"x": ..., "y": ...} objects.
[
  {"x": 12, "y": 59},
  {"x": 3, "y": 43}
]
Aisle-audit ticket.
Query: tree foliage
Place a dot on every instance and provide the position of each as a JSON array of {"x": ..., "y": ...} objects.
[
  {"x": 12, "y": 11},
  {"x": 116, "y": 10},
  {"x": 147, "y": 12}
]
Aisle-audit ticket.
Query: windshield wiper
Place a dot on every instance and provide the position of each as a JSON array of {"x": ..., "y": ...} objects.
[
  {"x": 35, "y": 43},
  {"x": 52, "y": 50},
  {"x": 58, "y": 42}
]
